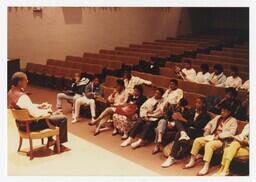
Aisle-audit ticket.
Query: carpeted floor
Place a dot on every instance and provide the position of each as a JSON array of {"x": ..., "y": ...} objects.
[{"x": 141, "y": 156}]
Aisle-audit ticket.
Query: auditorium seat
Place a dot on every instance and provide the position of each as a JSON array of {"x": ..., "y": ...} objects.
[{"x": 226, "y": 59}]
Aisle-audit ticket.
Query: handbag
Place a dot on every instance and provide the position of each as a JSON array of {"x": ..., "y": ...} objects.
[{"x": 128, "y": 110}]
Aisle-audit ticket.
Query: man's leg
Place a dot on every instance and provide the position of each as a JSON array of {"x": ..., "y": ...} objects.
[
  {"x": 92, "y": 108},
  {"x": 210, "y": 147},
  {"x": 61, "y": 122},
  {"x": 60, "y": 97},
  {"x": 77, "y": 104},
  {"x": 160, "y": 129}
]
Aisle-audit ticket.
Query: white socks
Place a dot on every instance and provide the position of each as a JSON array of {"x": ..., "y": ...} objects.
[
  {"x": 205, "y": 169},
  {"x": 191, "y": 163}
]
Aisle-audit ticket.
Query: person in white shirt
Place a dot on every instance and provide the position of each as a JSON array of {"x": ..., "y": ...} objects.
[
  {"x": 246, "y": 85},
  {"x": 130, "y": 81},
  {"x": 203, "y": 76},
  {"x": 118, "y": 98},
  {"x": 150, "y": 113},
  {"x": 173, "y": 94},
  {"x": 187, "y": 73},
  {"x": 234, "y": 80},
  {"x": 18, "y": 99},
  {"x": 218, "y": 78}
]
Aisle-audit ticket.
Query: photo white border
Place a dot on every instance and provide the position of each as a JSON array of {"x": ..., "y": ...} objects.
[{"x": 119, "y": 3}]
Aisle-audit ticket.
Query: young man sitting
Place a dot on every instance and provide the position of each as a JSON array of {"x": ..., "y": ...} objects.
[
  {"x": 187, "y": 73},
  {"x": 130, "y": 81},
  {"x": 234, "y": 80},
  {"x": 92, "y": 91},
  {"x": 188, "y": 130},
  {"x": 150, "y": 113},
  {"x": 216, "y": 131},
  {"x": 218, "y": 78},
  {"x": 76, "y": 91},
  {"x": 203, "y": 76}
]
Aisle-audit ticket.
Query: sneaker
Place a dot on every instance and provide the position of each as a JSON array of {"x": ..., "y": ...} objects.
[
  {"x": 184, "y": 136},
  {"x": 127, "y": 142},
  {"x": 125, "y": 136},
  {"x": 136, "y": 144},
  {"x": 168, "y": 162},
  {"x": 74, "y": 121}
]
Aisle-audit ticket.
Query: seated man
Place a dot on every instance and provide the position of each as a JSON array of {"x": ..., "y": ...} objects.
[
  {"x": 18, "y": 99},
  {"x": 180, "y": 115},
  {"x": 235, "y": 104},
  {"x": 118, "y": 98},
  {"x": 203, "y": 76},
  {"x": 188, "y": 130},
  {"x": 124, "y": 122},
  {"x": 92, "y": 91},
  {"x": 150, "y": 113},
  {"x": 234, "y": 79},
  {"x": 238, "y": 148},
  {"x": 218, "y": 78},
  {"x": 76, "y": 91},
  {"x": 187, "y": 73},
  {"x": 171, "y": 97},
  {"x": 130, "y": 81},
  {"x": 217, "y": 130}
]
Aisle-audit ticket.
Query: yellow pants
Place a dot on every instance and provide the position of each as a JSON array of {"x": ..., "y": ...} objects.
[
  {"x": 209, "y": 147},
  {"x": 234, "y": 150}
]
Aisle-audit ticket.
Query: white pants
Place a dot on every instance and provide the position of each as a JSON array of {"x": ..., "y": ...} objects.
[{"x": 85, "y": 101}]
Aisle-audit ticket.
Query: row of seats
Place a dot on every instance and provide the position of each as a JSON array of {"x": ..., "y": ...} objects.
[
  {"x": 87, "y": 68},
  {"x": 50, "y": 76},
  {"x": 226, "y": 59},
  {"x": 142, "y": 55},
  {"x": 98, "y": 63},
  {"x": 229, "y": 54},
  {"x": 126, "y": 60}
]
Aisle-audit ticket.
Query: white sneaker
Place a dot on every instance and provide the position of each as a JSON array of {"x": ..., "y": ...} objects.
[
  {"x": 74, "y": 121},
  {"x": 127, "y": 142},
  {"x": 136, "y": 144},
  {"x": 168, "y": 162},
  {"x": 184, "y": 136}
]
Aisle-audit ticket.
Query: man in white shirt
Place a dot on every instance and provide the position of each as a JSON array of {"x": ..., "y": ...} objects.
[
  {"x": 187, "y": 73},
  {"x": 173, "y": 94},
  {"x": 130, "y": 81},
  {"x": 118, "y": 98},
  {"x": 218, "y": 78},
  {"x": 234, "y": 80},
  {"x": 246, "y": 85},
  {"x": 203, "y": 77},
  {"x": 18, "y": 99},
  {"x": 150, "y": 113}
]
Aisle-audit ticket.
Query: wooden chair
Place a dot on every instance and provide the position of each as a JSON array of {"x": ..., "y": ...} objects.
[{"x": 23, "y": 119}]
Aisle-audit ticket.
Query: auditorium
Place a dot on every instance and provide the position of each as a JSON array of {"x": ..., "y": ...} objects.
[{"x": 128, "y": 91}]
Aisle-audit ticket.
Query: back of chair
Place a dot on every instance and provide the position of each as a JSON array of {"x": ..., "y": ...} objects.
[{"x": 21, "y": 115}]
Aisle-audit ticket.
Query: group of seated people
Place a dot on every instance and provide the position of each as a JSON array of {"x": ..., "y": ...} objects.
[
  {"x": 164, "y": 116},
  {"x": 217, "y": 78}
]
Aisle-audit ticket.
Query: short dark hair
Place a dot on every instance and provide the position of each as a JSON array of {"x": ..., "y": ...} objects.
[
  {"x": 120, "y": 82},
  {"x": 218, "y": 67},
  {"x": 234, "y": 69},
  {"x": 161, "y": 90},
  {"x": 231, "y": 90},
  {"x": 127, "y": 70},
  {"x": 183, "y": 102},
  {"x": 226, "y": 105},
  {"x": 203, "y": 99},
  {"x": 174, "y": 81},
  {"x": 18, "y": 76},
  {"x": 204, "y": 67},
  {"x": 139, "y": 88}
]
